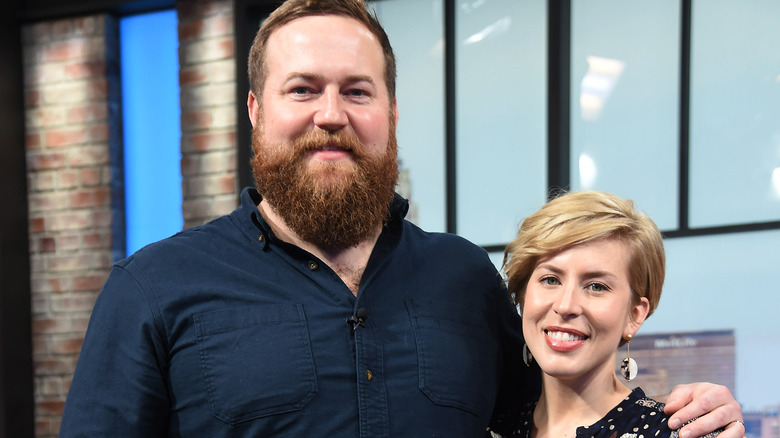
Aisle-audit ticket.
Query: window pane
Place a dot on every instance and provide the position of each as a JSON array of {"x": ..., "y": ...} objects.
[
  {"x": 416, "y": 30},
  {"x": 735, "y": 112},
  {"x": 501, "y": 116},
  {"x": 624, "y": 102},
  {"x": 151, "y": 127},
  {"x": 710, "y": 285}
]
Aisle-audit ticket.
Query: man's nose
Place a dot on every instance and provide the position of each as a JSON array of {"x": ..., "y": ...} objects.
[{"x": 331, "y": 115}]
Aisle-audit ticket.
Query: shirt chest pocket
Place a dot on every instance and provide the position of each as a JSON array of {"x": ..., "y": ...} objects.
[
  {"x": 456, "y": 355},
  {"x": 255, "y": 361}
]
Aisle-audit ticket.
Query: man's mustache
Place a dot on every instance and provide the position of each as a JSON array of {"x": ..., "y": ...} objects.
[{"x": 320, "y": 140}]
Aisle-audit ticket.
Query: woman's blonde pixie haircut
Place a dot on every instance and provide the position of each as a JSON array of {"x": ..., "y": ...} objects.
[{"x": 579, "y": 217}]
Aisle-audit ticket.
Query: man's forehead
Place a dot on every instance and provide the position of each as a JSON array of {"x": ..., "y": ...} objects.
[{"x": 323, "y": 25}]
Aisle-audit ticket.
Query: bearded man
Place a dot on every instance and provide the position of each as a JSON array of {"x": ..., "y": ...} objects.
[{"x": 314, "y": 309}]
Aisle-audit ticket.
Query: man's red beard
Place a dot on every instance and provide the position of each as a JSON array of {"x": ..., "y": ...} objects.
[{"x": 331, "y": 205}]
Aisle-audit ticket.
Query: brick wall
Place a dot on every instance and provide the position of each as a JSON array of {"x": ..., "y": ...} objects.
[
  {"x": 74, "y": 168},
  {"x": 68, "y": 96},
  {"x": 208, "y": 109}
]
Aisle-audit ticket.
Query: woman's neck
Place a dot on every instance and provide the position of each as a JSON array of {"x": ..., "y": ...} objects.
[{"x": 566, "y": 405}]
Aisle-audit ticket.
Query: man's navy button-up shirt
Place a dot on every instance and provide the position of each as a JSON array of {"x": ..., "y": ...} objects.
[{"x": 223, "y": 330}]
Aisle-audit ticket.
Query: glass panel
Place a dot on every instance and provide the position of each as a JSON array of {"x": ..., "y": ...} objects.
[
  {"x": 624, "y": 102},
  {"x": 501, "y": 92},
  {"x": 735, "y": 112},
  {"x": 711, "y": 285},
  {"x": 416, "y": 30},
  {"x": 151, "y": 127}
]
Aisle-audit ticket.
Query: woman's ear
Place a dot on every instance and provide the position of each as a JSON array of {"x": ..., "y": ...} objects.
[{"x": 637, "y": 316}]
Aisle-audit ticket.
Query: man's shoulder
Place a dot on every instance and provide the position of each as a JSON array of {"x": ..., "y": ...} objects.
[
  {"x": 441, "y": 240},
  {"x": 205, "y": 239}
]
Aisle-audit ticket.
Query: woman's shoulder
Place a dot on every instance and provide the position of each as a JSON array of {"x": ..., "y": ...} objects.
[{"x": 635, "y": 415}]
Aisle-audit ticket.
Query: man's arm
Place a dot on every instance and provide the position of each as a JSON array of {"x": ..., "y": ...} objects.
[
  {"x": 118, "y": 389},
  {"x": 714, "y": 406}
]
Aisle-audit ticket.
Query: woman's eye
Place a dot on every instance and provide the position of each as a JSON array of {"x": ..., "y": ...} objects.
[
  {"x": 597, "y": 287},
  {"x": 550, "y": 281}
]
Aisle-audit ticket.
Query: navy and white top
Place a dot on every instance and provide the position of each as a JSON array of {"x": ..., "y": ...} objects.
[{"x": 637, "y": 416}]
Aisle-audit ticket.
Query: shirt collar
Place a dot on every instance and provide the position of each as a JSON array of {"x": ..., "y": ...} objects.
[{"x": 256, "y": 227}]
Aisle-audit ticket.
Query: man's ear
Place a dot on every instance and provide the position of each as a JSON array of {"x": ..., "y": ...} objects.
[
  {"x": 253, "y": 107},
  {"x": 395, "y": 110}
]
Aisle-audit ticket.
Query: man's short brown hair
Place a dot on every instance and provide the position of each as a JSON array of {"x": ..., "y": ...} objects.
[{"x": 294, "y": 9}]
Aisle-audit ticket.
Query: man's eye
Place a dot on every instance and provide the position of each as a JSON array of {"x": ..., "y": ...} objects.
[
  {"x": 357, "y": 93},
  {"x": 300, "y": 90}
]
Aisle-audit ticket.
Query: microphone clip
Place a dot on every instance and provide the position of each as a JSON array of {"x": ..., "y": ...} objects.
[{"x": 358, "y": 319}]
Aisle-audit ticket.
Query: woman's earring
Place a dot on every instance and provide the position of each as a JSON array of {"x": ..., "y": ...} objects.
[
  {"x": 527, "y": 356},
  {"x": 628, "y": 368}
]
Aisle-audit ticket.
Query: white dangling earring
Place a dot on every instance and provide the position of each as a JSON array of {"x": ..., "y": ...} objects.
[
  {"x": 628, "y": 368},
  {"x": 527, "y": 356}
]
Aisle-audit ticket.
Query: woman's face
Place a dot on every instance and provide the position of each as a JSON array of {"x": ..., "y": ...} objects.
[{"x": 577, "y": 307}]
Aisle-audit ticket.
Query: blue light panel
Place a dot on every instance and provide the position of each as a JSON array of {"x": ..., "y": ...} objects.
[{"x": 151, "y": 127}]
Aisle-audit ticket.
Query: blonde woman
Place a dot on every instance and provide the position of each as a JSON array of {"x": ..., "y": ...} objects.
[{"x": 586, "y": 271}]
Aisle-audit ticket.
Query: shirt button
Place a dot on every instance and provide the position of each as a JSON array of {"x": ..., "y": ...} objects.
[
  {"x": 313, "y": 266},
  {"x": 260, "y": 237},
  {"x": 369, "y": 375}
]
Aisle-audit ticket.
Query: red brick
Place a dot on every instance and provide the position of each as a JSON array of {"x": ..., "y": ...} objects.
[
  {"x": 209, "y": 141},
  {"x": 53, "y": 366},
  {"x": 49, "y": 284},
  {"x": 86, "y": 25},
  {"x": 68, "y": 178},
  {"x": 90, "y": 177},
  {"x": 37, "y": 224},
  {"x": 98, "y": 133},
  {"x": 32, "y": 140},
  {"x": 186, "y": 10},
  {"x": 67, "y": 345},
  {"x": 90, "y": 197},
  {"x": 60, "y": 29},
  {"x": 192, "y": 75},
  {"x": 96, "y": 240},
  {"x": 62, "y": 50},
  {"x": 191, "y": 120},
  {"x": 190, "y": 30},
  {"x": 69, "y": 220},
  {"x": 221, "y": 71},
  {"x": 50, "y": 325},
  {"x": 47, "y": 426},
  {"x": 74, "y": 302},
  {"x": 51, "y": 407},
  {"x": 42, "y": 181},
  {"x": 47, "y": 201},
  {"x": 69, "y": 241},
  {"x": 87, "y": 113},
  {"x": 47, "y": 244},
  {"x": 59, "y": 138},
  {"x": 212, "y": 7},
  {"x": 88, "y": 283},
  {"x": 47, "y": 160},
  {"x": 85, "y": 69},
  {"x": 97, "y": 89},
  {"x": 45, "y": 117},
  {"x": 88, "y": 155},
  {"x": 32, "y": 98}
]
